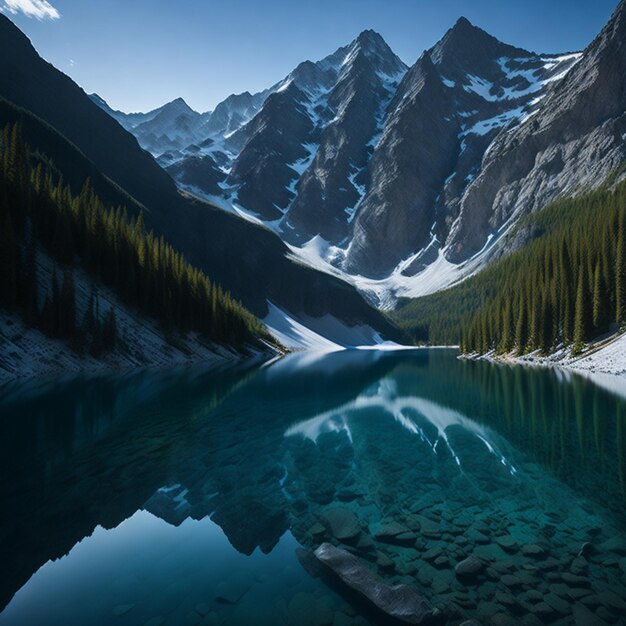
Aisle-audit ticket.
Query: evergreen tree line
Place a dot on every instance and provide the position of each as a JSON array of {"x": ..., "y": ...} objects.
[
  {"x": 565, "y": 287},
  {"x": 38, "y": 209}
]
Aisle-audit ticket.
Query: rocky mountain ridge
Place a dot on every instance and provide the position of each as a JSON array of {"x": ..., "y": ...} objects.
[{"x": 402, "y": 180}]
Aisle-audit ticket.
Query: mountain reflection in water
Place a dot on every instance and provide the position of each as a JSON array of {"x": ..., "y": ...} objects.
[{"x": 190, "y": 494}]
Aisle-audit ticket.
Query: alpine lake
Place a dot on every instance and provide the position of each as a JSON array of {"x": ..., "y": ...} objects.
[{"x": 200, "y": 495}]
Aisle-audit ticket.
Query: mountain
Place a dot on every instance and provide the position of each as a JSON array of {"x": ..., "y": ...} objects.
[
  {"x": 175, "y": 126},
  {"x": 368, "y": 169},
  {"x": 453, "y": 102},
  {"x": 246, "y": 259},
  {"x": 573, "y": 142},
  {"x": 172, "y": 126}
]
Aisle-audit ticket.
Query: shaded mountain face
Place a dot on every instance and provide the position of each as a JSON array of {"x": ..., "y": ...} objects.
[
  {"x": 300, "y": 161},
  {"x": 175, "y": 126},
  {"x": 246, "y": 259},
  {"x": 575, "y": 141},
  {"x": 170, "y": 127},
  {"x": 405, "y": 180},
  {"x": 451, "y": 105},
  {"x": 375, "y": 161}
]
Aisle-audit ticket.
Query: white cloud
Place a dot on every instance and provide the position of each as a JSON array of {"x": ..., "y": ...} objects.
[
  {"x": 41, "y": 9},
  {"x": 72, "y": 63}
]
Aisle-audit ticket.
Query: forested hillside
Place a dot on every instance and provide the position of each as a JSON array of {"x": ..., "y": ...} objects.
[
  {"x": 40, "y": 213},
  {"x": 564, "y": 288}
]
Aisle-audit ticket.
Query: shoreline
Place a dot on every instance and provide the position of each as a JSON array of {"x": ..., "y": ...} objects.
[{"x": 603, "y": 361}]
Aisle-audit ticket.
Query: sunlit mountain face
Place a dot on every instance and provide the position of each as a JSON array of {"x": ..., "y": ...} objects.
[{"x": 215, "y": 487}]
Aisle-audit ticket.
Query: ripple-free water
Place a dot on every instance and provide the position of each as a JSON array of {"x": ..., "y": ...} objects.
[{"x": 195, "y": 496}]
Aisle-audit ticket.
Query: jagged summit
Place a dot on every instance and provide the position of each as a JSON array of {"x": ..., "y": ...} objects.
[
  {"x": 466, "y": 47},
  {"x": 366, "y": 164},
  {"x": 370, "y": 38}
]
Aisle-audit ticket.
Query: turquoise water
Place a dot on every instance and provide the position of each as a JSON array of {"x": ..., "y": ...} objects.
[{"x": 195, "y": 496}]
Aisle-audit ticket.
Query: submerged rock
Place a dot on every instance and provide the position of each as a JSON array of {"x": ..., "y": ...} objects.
[
  {"x": 400, "y": 601},
  {"x": 390, "y": 530},
  {"x": 383, "y": 561},
  {"x": 507, "y": 543},
  {"x": 534, "y": 550},
  {"x": 343, "y": 523},
  {"x": 584, "y": 617},
  {"x": 469, "y": 568},
  {"x": 586, "y": 549},
  {"x": 615, "y": 544}
]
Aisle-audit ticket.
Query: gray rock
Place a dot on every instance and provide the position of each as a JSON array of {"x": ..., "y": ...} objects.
[
  {"x": 317, "y": 529},
  {"x": 573, "y": 580},
  {"x": 579, "y": 121},
  {"x": 400, "y": 601},
  {"x": 615, "y": 544},
  {"x": 469, "y": 568},
  {"x": 343, "y": 524},
  {"x": 511, "y": 580},
  {"x": 533, "y": 550},
  {"x": 501, "y": 619},
  {"x": 507, "y": 543},
  {"x": 612, "y": 600},
  {"x": 383, "y": 561},
  {"x": 586, "y": 549},
  {"x": 558, "y": 604},
  {"x": 390, "y": 530},
  {"x": 433, "y": 553},
  {"x": 584, "y": 617},
  {"x": 543, "y": 610}
]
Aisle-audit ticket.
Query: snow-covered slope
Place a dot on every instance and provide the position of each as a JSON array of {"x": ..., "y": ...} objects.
[
  {"x": 361, "y": 166},
  {"x": 403, "y": 181},
  {"x": 26, "y": 351},
  {"x": 326, "y": 333}
]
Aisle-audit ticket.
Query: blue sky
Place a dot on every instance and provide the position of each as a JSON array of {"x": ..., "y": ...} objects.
[{"x": 139, "y": 54}]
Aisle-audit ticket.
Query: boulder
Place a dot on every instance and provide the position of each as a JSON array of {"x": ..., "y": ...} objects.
[
  {"x": 390, "y": 530},
  {"x": 343, "y": 524},
  {"x": 533, "y": 550},
  {"x": 469, "y": 568},
  {"x": 615, "y": 544},
  {"x": 584, "y": 617},
  {"x": 507, "y": 543},
  {"x": 399, "y": 601},
  {"x": 586, "y": 549}
]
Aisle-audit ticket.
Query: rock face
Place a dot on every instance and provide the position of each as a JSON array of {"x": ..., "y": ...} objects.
[
  {"x": 173, "y": 126},
  {"x": 412, "y": 160},
  {"x": 332, "y": 186},
  {"x": 399, "y": 602},
  {"x": 387, "y": 169},
  {"x": 575, "y": 140},
  {"x": 451, "y": 105}
]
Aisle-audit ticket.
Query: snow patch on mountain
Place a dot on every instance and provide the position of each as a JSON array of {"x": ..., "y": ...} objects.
[{"x": 322, "y": 334}]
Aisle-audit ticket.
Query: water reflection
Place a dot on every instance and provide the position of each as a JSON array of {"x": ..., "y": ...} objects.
[{"x": 171, "y": 480}]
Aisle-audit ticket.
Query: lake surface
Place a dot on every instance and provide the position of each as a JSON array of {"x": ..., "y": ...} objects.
[{"x": 195, "y": 496}]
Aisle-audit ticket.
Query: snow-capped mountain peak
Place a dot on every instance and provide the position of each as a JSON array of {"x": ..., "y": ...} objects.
[{"x": 363, "y": 165}]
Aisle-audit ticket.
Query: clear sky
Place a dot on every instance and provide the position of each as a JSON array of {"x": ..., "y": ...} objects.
[{"x": 139, "y": 54}]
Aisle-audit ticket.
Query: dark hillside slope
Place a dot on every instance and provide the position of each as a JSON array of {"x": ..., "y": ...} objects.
[{"x": 247, "y": 260}]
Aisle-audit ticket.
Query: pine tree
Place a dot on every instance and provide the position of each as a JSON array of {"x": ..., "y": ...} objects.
[
  {"x": 109, "y": 331},
  {"x": 580, "y": 315},
  {"x": 620, "y": 269},
  {"x": 598, "y": 301},
  {"x": 521, "y": 336},
  {"x": 8, "y": 264},
  {"x": 28, "y": 283},
  {"x": 67, "y": 304}
]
